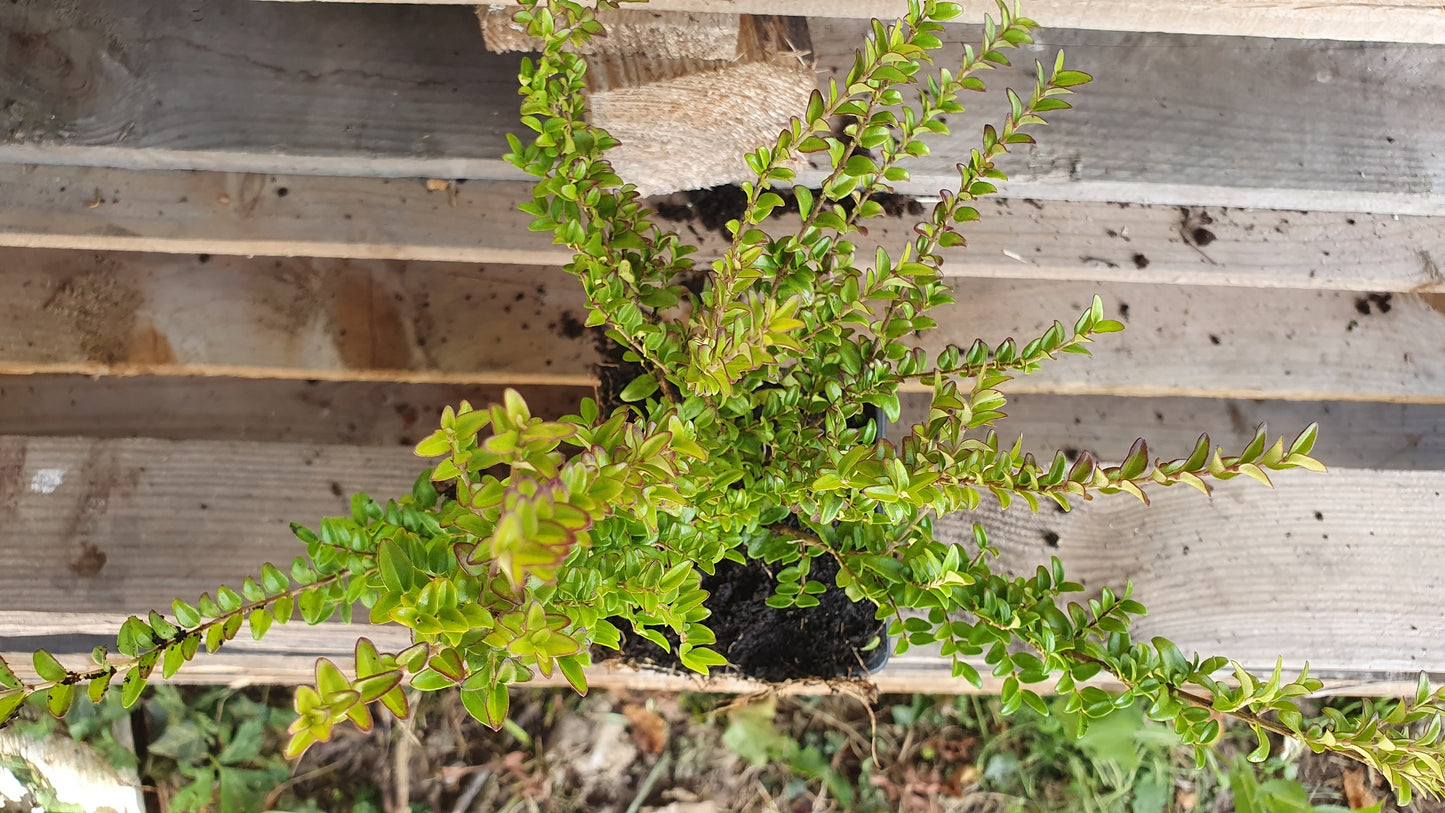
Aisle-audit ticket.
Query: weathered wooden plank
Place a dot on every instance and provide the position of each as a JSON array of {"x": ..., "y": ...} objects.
[
  {"x": 405, "y": 91},
  {"x": 400, "y": 91},
  {"x": 190, "y": 212},
  {"x": 369, "y": 413},
  {"x": 1165, "y": 119},
  {"x": 1186, "y": 340},
  {"x": 105, "y": 507},
  {"x": 96, "y": 529},
  {"x": 291, "y": 318},
  {"x": 1111, "y": 242},
  {"x": 131, "y": 314},
  {"x": 1317, "y": 569},
  {"x": 371, "y": 218},
  {"x": 288, "y": 656},
  {"x": 1382, "y": 20}
]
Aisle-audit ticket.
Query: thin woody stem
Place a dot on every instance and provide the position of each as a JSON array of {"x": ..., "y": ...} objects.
[{"x": 112, "y": 667}]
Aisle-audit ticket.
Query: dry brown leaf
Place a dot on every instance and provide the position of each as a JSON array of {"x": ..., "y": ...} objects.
[
  {"x": 1357, "y": 794},
  {"x": 967, "y": 775},
  {"x": 649, "y": 730}
]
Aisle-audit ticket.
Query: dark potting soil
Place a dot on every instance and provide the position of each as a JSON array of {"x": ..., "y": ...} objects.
[
  {"x": 613, "y": 372},
  {"x": 771, "y": 644}
]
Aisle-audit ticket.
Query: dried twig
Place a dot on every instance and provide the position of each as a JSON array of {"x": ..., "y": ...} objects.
[{"x": 474, "y": 787}]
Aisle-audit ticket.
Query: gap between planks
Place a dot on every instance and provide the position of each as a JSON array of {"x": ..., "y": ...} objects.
[
  {"x": 369, "y": 413},
  {"x": 1381, "y": 20},
  {"x": 1352, "y": 434},
  {"x": 377, "y": 218},
  {"x": 123, "y": 526}
]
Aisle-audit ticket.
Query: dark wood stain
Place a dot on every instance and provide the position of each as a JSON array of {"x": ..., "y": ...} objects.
[
  {"x": 150, "y": 346},
  {"x": 89, "y": 562}
]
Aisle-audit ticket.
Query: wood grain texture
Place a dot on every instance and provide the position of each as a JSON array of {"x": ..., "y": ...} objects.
[
  {"x": 96, "y": 529},
  {"x": 688, "y": 123},
  {"x": 1316, "y": 569},
  {"x": 661, "y": 34},
  {"x": 400, "y": 91},
  {"x": 686, "y": 95},
  {"x": 190, "y": 212},
  {"x": 405, "y": 91},
  {"x": 1382, "y": 20},
  {"x": 138, "y": 314},
  {"x": 1198, "y": 341},
  {"x": 1168, "y": 117},
  {"x": 379, "y": 218},
  {"x": 291, "y": 318},
  {"x": 130, "y": 524}
]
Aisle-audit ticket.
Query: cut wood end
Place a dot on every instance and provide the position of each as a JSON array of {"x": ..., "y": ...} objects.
[
  {"x": 686, "y": 94},
  {"x": 669, "y": 34},
  {"x": 691, "y": 131}
]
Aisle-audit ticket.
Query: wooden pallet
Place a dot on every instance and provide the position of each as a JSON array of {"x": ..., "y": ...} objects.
[{"x": 229, "y": 297}]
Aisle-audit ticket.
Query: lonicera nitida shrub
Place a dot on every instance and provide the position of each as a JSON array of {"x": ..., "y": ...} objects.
[{"x": 530, "y": 541}]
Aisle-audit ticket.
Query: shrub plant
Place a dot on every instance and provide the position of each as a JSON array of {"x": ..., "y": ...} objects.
[{"x": 532, "y": 540}]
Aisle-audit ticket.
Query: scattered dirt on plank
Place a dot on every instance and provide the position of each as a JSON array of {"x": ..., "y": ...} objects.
[{"x": 102, "y": 310}]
